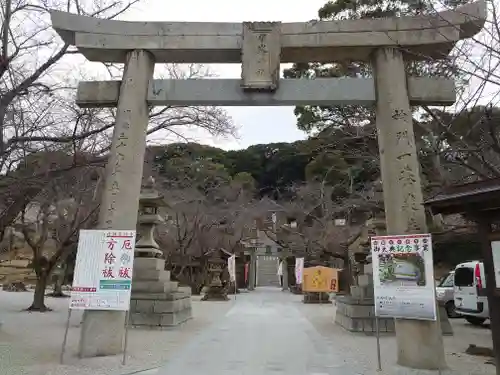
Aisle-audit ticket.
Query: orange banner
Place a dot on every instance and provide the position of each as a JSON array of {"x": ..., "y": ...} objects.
[{"x": 320, "y": 279}]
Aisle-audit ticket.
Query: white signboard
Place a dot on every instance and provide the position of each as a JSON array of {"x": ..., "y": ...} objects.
[
  {"x": 103, "y": 272},
  {"x": 403, "y": 277},
  {"x": 495, "y": 250},
  {"x": 231, "y": 267},
  {"x": 299, "y": 270}
]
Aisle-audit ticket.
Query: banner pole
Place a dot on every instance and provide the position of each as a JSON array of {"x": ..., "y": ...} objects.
[
  {"x": 377, "y": 329},
  {"x": 125, "y": 344},
  {"x": 65, "y": 338}
]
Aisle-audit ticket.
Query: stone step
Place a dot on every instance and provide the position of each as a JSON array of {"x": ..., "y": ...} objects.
[
  {"x": 154, "y": 286},
  {"x": 366, "y": 325},
  {"x": 158, "y": 321},
  {"x": 268, "y": 272},
  {"x": 172, "y": 296},
  {"x": 159, "y": 306},
  {"x": 185, "y": 289},
  {"x": 268, "y": 277},
  {"x": 149, "y": 264},
  {"x": 355, "y": 310},
  {"x": 151, "y": 274},
  {"x": 267, "y": 268}
]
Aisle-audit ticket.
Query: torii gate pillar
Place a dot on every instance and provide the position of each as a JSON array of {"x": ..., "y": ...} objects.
[
  {"x": 102, "y": 332},
  {"x": 420, "y": 342}
]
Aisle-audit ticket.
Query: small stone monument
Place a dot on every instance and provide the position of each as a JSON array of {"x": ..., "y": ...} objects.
[
  {"x": 216, "y": 265},
  {"x": 156, "y": 302}
]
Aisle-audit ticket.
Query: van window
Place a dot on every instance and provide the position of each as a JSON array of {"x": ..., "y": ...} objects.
[
  {"x": 464, "y": 276},
  {"x": 447, "y": 281}
]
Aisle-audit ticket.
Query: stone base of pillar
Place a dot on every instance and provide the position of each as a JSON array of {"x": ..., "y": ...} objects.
[
  {"x": 157, "y": 302},
  {"x": 317, "y": 298},
  {"x": 102, "y": 333},
  {"x": 400, "y": 370},
  {"x": 358, "y": 315}
]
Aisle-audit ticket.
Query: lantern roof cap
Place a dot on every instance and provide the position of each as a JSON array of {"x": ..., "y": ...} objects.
[{"x": 150, "y": 195}]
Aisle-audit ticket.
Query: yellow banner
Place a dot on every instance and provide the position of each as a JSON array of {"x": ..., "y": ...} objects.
[{"x": 320, "y": 279}]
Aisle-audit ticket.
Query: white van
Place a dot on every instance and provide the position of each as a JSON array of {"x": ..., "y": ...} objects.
[{"x": 470, "y": 292}]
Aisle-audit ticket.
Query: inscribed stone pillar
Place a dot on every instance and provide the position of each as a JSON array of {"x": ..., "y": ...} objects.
[
  {"x": 103, "y": 331},
  {"x": 420, "y": 344}
]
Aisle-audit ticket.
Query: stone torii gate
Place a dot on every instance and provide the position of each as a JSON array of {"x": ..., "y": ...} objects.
[{"x": 260, "y": 47}]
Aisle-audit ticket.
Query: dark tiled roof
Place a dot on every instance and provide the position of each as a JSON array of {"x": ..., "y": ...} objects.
[{"x": 479, "y": 196}]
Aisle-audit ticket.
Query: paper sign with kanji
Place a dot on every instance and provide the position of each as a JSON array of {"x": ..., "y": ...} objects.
[
  {"x": 103, "y": 271},
  {"x": 403, "y": 277}
]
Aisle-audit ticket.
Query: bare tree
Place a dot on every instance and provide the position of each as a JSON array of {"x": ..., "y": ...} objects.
[
  {"x": 309, "y": 224},
  {"x": 38, "y": 75},
  {"x": 463, "y": 142},
  {"x": 65, "y": 206},
  {"x": 211, "y": 214}
]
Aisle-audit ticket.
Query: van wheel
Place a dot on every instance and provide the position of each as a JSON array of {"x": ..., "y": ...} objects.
[
  {"x": 450, "y": 310},
  {"x": 475, "y": 321}
]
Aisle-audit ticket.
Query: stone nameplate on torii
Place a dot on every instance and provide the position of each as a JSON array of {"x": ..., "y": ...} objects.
[{"x": 260, "y": 55}]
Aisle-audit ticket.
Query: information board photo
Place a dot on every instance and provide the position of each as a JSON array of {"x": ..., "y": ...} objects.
[
  {"x": 103, "y": 271},
  {"x": 403, "y": 277}
]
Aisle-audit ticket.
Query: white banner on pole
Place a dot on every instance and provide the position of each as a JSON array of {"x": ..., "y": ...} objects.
[
  {"x": 299, "y": 270},
  {"x": 231, "y": 267},
  {"x": 403, "y": 277},
  {"x": 103, "y": 271}
]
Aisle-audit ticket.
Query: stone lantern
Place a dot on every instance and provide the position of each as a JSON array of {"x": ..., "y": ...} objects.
[
  {"x": 216, "y": 290},
  {"x": 150, "y": 201},
  {"x": 156, "y": 301}
]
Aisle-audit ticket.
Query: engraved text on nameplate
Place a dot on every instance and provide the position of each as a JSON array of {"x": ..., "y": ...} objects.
[{"x": 260, "y": 53}]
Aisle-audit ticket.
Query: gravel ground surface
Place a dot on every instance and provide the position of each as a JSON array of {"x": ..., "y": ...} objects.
[
  {"x": 30, "y": 343},
  {"x": 362, "y": 348}
]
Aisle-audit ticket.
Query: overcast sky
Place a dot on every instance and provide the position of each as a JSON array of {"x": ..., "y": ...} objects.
[{"x": 257, "y": 124}]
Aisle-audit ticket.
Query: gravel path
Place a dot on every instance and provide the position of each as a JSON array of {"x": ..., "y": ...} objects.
[
  {"x": 362, "y": 348},
  {"x": 263, "y": 332}
]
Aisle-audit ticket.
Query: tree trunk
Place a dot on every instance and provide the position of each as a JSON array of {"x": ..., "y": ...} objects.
[{"x": 39, "y": 296}]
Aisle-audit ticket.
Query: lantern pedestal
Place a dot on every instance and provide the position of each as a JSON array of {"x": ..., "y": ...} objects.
[{"x": 215, "y": 293}]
